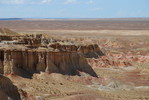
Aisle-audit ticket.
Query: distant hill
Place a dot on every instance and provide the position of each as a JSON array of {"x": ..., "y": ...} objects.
[
  {"x": 11, "y": 18},
  {"x": 6, "y": 31}
]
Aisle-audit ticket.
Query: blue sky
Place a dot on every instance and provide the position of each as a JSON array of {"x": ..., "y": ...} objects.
[{"x": 74, "y": 8}]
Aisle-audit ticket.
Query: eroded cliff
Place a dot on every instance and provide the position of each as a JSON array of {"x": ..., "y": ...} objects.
[{"x": 26, "y": 55}]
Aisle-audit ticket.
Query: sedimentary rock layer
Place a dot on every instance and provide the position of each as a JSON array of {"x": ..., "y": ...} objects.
[
  {"x": 26, "y": 55},
  {"x": 25, "y": 61},
  {"x": 88, "y": 51},
  {"x": 21, "y": 62}
]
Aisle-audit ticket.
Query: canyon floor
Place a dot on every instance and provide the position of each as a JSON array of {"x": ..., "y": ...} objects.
[{"x": 123, "y": 70}]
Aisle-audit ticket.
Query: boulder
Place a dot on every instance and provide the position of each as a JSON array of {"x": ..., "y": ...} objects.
[{"x": 8, "y": 90}]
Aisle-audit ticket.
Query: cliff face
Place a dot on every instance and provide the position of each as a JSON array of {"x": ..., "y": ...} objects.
[
  {"x": 20, "y": 62},
  {"x": 90, "y": 51},
  {"x": 25, "y": 60},
  {"x": 8, "y": 90}
]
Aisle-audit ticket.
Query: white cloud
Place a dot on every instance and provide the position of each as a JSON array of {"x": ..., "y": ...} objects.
[
  {"x": 46, "y": 1},
  {"x": 70, "y": 2},
  {"x": 11, "y": 1},
  {"x": 25, "y": 1},
  {"x": 91, "y": 1}
]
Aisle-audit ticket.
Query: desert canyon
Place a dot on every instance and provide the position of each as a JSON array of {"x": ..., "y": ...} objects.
[{"x": 72, "y": 59}]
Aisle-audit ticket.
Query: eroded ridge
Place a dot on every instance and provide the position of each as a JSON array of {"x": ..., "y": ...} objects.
[{"x": 28, "y": 54}]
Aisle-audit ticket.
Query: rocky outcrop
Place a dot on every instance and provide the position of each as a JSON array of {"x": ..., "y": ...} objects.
[
  {"x": 88, "y": 51},
  {"x": 91, "y": 51},
  {"x": 21, "y": 62},
  {"x": 32, "y": 40},
  {"x": 8, "y": 90},
  {"x": 25, "y": 60}
]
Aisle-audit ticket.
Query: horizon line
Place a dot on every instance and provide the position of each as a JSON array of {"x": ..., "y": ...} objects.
[{"x": 38, "y": 18}]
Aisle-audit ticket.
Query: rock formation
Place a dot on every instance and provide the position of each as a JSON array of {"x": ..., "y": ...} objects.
[
  {"x": 8, "y": 90},
  {"x": 88, "y": 51},
  {"x": 31, "y": 54}
]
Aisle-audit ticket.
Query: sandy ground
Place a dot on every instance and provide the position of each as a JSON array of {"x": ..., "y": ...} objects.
[{"x": 89, "y": 33}]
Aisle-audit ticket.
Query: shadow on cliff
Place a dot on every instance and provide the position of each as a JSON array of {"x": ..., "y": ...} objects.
[
  {"x": 72, "y": 70},
  {"x": 85, "y": 67},
  {"x": 8, "y": 90},
  {"x": 21, "y": 72}
]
